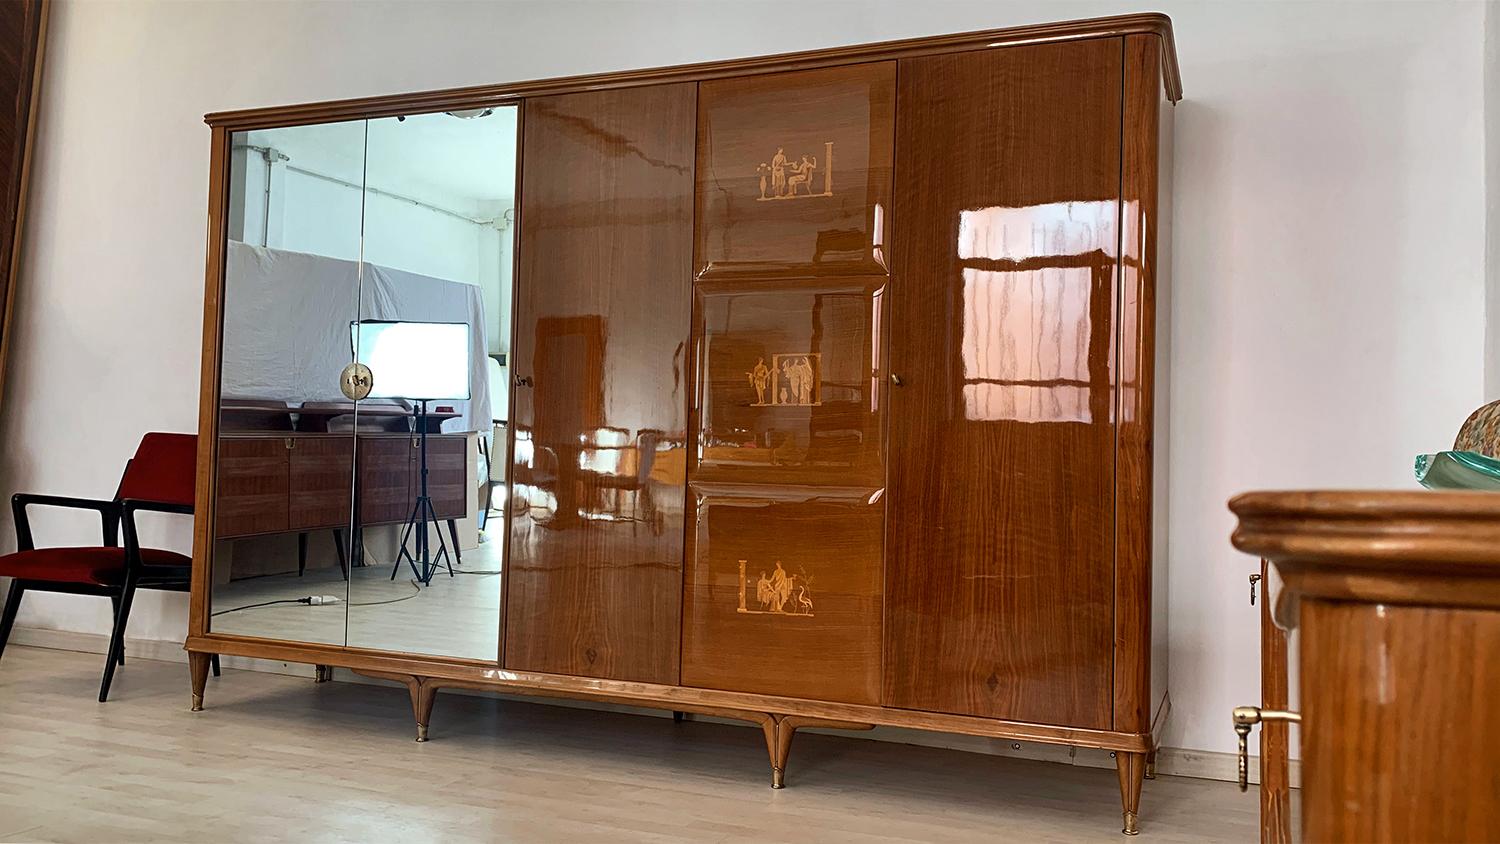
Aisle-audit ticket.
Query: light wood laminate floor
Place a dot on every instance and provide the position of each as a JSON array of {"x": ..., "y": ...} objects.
[
  {"x": 281, "y": 758},
  {"x": 455, "y": 615}
]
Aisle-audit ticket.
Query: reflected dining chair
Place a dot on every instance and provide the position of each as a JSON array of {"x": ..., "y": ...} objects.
[{"x": 159, "y": 479}]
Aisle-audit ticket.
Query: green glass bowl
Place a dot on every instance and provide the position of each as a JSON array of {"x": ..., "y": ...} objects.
[{"x": 1458, "y": 470}]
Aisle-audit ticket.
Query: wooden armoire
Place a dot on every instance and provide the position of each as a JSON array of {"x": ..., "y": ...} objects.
[{"x": 875, "y": 329}]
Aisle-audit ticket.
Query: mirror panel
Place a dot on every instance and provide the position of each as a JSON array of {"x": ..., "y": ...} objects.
[
  {"x": 434, "y": 324},
  {"x": 286, "y": 448}
]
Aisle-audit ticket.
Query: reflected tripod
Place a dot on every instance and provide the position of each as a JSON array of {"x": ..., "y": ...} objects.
[{"x": 422, "y": 563}]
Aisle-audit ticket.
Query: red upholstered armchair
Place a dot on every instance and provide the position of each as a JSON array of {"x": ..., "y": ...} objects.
[{"x": 159, "y": 478}]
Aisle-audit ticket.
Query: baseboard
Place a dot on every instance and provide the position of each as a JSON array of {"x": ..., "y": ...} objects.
[{"x": 1170, "y": 761}]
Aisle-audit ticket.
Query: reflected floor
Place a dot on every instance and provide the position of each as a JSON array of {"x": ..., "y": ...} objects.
[{"x": 453, "y": 616}]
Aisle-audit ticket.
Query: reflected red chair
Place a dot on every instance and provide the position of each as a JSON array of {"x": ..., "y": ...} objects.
[{"x": 160, "y": 479}]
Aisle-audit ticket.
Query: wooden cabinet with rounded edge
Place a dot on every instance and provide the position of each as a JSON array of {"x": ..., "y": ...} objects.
[
  {"x": 835, "y": 388},
  {"x": 1396, "y": 599}
]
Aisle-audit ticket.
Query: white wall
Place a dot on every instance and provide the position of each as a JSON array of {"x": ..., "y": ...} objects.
[{"x": 1329, "y": 311}]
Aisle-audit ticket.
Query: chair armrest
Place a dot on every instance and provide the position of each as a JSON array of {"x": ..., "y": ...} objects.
[
  {"x": 131, "y": 505},
  {"x": 109, "y": 515},
  {"x": 128, "y": 509}
]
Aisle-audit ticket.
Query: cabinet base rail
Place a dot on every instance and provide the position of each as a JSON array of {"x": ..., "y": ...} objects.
[{"x": 779, "y": 718}]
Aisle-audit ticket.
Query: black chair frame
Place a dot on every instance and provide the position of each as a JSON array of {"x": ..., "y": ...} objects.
[{"x": 112, "y": 515}]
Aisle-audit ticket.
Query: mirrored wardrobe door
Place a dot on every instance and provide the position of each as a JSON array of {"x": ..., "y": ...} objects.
[
  {"x": 434, "y": 331},
  {"x": 285, "y": 480}
]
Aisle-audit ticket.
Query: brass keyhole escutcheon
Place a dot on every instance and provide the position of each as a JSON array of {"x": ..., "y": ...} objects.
[{"x": 356, "y": 381}]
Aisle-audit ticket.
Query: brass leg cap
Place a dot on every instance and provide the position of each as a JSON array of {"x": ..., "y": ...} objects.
[
  {"x": 1130, "y": 827},
  {"x": 778, "y": 778},
  {"x": 421, "y": 732},
  {"x": 197, "y": 702}
]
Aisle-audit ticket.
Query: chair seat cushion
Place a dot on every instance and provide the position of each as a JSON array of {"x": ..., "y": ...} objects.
[{"x": 101, "y": 566}]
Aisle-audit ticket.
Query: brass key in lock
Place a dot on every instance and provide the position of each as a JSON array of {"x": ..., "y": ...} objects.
[{"x": 1246, "y": 717}]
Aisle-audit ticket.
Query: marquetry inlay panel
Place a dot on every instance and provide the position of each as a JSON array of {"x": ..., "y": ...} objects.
[
  {"x": 791, "y": 383},
  {"x": 794, "y": 172},
  {"x": 784, "y": 596}
]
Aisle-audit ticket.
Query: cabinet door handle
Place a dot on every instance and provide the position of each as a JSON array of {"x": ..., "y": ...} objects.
[
  {"x": 523, "y": 381},
  {"x": 895, "y": 379}
]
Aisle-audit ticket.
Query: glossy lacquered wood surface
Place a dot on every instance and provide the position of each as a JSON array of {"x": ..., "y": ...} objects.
[
  {"x": 464, "y": 673},
  {"x": 1000, "y": 559},
  {"x": 603, "y": 311},
  {"x": 23, "y": 34},
  {"x": 1399, "y": 737},
  {"x": 1136, "y": 525},
  {"x": 1275, "y": 736},
  {"x": 820, "y": 637},
  {"x": 784, "y": 578},
  {"x": 752, "y": 426},
  {"x": 1396, "y": 600},
  {"x": 1155, "y": 24},
  {"x": 794, "y": 172}
]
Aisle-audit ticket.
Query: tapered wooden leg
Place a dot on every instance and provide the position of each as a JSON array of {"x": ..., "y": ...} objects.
[
  {"x": 1132, "y": 770},
  {"x": 322, "y": 673},
  {"x": 677, "y": 716},
  {"x": 779, "y": 730},
  {"x": 1151, "y": 765},
  {"x": 214, "y": 663},
  {"x": 423, "y": 696},
  {"x": 771, "y": 727},
  {"x": 198, "y": 665}
]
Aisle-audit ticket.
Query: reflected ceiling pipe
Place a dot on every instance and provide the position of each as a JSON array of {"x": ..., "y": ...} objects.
[
  {"x": 271, "y": 156},
  {"x": 500, "y": 222}
]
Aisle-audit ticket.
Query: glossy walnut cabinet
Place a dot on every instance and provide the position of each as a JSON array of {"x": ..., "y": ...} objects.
[
  {"x": 1396, "y": 600},
  {"x": 836, "y": 390},
  {"x": 602, "y": 323}
]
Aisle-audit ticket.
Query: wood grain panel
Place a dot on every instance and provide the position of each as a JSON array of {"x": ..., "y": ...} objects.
[
  {"x": 794, "y": 172},
  {"x": 23, "y": 41},
  {"x": 447, "y": 476},
  {"x": 252, "y": 486},
  {"x": 386, "y": 486},
  {"x": 1136, "y": 368},
  {"x": 321, "y": 482},
  {"x": 594, "y": 583},
  {"x": 1399, "y": 738},
  {"x": 1000, "y": 569},
  {"x": 1275, "y": 736},
  {"x": 205, "y": 509},
  {"x": 791, "y": 383},
  {"x": 784, "y": 598}
]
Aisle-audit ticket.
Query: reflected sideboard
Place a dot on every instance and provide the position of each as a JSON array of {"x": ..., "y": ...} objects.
[{"x": 874, "y": 331}]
